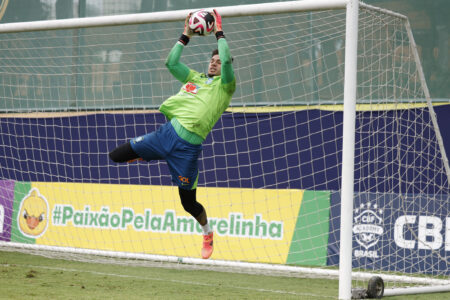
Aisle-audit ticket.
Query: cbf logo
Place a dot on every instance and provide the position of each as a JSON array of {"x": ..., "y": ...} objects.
[{"x": 368, "y": 228}]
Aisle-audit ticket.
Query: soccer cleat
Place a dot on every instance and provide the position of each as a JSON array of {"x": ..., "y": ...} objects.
[{"x": 208, "y": 248}]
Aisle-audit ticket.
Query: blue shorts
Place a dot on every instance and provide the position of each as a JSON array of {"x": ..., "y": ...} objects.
[{"x": 181, "y": 156}]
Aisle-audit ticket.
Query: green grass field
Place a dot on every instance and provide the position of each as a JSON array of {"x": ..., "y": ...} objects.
[{"x": 25, "y": 276}]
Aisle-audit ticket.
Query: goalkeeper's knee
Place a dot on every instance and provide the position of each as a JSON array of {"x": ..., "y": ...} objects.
[
  {"x": 123, "y": 153},
  {"x": 189, "y": 202}
]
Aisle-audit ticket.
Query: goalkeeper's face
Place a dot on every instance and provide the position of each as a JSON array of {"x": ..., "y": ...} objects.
[{"x": 214, "y": 66}]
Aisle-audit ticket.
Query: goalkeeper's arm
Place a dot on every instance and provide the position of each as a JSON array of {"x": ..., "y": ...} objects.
[
  {"x": 227, "y": 72},
  {"x": 179, "y": 70}
]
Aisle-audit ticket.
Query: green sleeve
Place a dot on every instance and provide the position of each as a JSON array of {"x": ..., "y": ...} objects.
[
  {"x": 227, "y": 71},
  {"x": 179, "y": 70}
]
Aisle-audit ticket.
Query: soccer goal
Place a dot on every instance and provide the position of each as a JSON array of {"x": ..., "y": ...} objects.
[{"x": 328, "y": 163}]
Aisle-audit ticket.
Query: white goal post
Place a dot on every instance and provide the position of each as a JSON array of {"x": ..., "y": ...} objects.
[{"x": 330, "y": 155}]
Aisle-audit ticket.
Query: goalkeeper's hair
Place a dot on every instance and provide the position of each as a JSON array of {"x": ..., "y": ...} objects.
[{"x": 216, "y": 52}]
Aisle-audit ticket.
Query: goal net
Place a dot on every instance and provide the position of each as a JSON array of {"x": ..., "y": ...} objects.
[{"x": 270, "y": 171}]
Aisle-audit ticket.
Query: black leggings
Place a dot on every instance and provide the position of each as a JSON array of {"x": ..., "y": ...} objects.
[
  {"x": 125, "y": 153},
  {"x": 189, "y": 202}
]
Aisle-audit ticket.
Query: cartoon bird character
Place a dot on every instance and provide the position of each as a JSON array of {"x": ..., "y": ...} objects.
[{"x": 33, "y": 214}]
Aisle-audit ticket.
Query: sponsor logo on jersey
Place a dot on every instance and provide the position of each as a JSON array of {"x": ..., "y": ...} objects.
[{"x": 191, "y": 88}]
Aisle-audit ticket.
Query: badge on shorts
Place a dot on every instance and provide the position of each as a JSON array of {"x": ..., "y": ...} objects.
[{"x": 138, "y": 139}]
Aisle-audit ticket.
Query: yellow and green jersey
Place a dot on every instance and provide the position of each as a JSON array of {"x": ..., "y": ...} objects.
[{"x": 202, "y": 99}]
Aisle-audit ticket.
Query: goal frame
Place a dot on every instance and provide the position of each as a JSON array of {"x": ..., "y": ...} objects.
[{"x": 350, "y": 87}]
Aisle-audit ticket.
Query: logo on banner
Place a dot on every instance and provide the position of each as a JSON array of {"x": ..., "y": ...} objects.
[
  {"x": 2, "y": 218},
  {"x": 33, "y": 214},
  {"x": 368, "y": 228}
]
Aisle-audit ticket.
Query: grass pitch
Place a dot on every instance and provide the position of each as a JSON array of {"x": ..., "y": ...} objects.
[{"x": 25, "y": 276}]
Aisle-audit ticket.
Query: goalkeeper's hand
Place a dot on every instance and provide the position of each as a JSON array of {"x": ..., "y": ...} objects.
[
  {"x": 218, "y": 25},
  {"x": 218, "y": 21},
  {"x": 187, "y": 30}
]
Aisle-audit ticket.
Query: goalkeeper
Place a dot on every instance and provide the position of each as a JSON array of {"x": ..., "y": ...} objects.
[{"x": 192, "y": 113}]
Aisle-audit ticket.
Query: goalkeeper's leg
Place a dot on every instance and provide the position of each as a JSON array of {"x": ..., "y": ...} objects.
[
  {"x": 123, "y": 153},
  {"x": 190, "y": 204}
]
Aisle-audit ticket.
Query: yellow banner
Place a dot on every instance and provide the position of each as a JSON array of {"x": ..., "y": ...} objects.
[{"x": 249, "y": 225}]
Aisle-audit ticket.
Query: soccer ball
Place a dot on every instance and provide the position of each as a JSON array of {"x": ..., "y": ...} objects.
[{"x": 201, "y": 22}]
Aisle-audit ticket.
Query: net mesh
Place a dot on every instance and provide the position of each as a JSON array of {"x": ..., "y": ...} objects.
[{"x": 270, "y": 169}]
